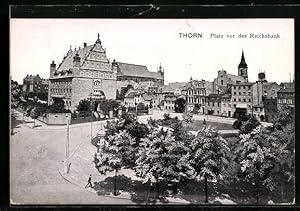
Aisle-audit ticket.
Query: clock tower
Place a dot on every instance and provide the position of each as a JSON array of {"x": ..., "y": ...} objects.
[{"x": 243, "y": 67}]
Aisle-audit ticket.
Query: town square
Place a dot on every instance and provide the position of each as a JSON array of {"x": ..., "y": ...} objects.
[{"x": 157, "y": 119}]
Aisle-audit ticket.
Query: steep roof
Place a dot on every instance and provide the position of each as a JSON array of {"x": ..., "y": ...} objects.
[
  {"x": 67, "y": 62},
  {"x": 244, "y": 84},
  {"x": 137, "y": 71},
  {"x": 171, "y": 87}
]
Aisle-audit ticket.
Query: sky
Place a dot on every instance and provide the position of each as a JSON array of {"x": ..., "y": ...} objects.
[{"x": 34, "y": 43}]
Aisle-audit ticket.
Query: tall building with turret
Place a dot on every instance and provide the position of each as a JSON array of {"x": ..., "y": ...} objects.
[
  {"x": 243, "y": 67},
  {"x": 84, "y": 73}
]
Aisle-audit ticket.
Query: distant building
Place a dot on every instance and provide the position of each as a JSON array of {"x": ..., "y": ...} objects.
[
  {"x": 213, "y": 104},
  {"x": 270, "y": 107},
  {"x": 196, "y": 92},
  {"x": 241, "y": 96},
  {"x": 169, "y": 102},
  {"x": 226, "y": 107},
  {"x": 286, "y": 97},
  {"x": 34, "y": 85},
  {"x": 84, "y": 73},
  {"x": 222, "y": 84},
  {"x": 138, "y": 73}
]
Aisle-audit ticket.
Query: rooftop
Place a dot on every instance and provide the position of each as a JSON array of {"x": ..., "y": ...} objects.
[{"x": 137, "y": 71}]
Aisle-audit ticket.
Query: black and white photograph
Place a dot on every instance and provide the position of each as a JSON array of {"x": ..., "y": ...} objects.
[{"x": 152, "y": 111}]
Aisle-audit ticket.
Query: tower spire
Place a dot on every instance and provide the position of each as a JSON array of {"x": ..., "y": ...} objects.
[
  {"x": 243, "y": 67},
  {"x": 243, "y": 61},
  {"x": 98, "y": 39}
]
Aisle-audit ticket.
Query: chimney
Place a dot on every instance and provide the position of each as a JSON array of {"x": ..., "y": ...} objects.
[
  {"x": 84, "y": 44},
  {"x": 76, "y": 60}
]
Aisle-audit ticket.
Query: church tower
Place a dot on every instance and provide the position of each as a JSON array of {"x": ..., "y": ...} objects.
[{"x": 243, "y": 67}]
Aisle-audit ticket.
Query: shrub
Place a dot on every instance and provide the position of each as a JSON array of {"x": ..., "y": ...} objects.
[{"x": 187, "y": 117}]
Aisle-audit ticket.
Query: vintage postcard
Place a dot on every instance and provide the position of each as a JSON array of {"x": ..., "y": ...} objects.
[{"x": 152, "y": 111}]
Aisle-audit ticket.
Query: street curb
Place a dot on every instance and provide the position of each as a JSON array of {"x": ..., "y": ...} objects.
[
  {"x": 114, "y": 197},
  {"x": 88, "y": 190}
]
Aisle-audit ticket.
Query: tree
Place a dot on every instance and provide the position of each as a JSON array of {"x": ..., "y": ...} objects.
[
  {"x": 135, "y": 129},
  {"x": 208, "y": 156},
  {"x": 249, "y": 125},
  {"x": 34, "y": 115},
  {"x": 152, "y": 162},
  {"x": 84, "y": 107},
  {"x": 108, "y": 105},
  {"x": 256, "y": 156},
  {"x": 282, "y": 138},
  {"x": 114, "y": 154},
  {"x": 187, "y": 117},
  {"x": 180, "y": 105},
  {"x": 15, "y": 94},
  {"x": 57, "y": 107},
  {"x": 284, "y": 116}
]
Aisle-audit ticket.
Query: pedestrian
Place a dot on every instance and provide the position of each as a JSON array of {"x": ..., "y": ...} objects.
[{"x": 89, "y": 184}]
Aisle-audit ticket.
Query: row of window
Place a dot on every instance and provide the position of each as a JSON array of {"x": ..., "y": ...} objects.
[
  {"x": 240, "y": 100},
  {"x": 195, "y": 100},
  {"x": 240, "y": 93},
  {"x": 61, "y": 90},
  {"x": 196, "y": 92},
  {"x": 169, "y": 107},
  {"x": 213, "y": 104},
  {"x": 169, "y": 101},
  {"x": 286, "y": 101},
  {"x": 61, "y": 84},
  {"x": 96, "y": 75},
  {"x": 239, "y": 87}
]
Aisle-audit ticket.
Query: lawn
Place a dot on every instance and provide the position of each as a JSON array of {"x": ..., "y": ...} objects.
[{"x": 197, "y": 125}]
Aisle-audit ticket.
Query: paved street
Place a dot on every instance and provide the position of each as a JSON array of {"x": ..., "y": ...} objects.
[{"x": 35, "y": 155}]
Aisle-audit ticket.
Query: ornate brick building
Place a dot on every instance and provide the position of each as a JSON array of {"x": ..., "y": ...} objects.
[
  {"x": 196, "y": 92},
  {"x": 85, "y": 73}
]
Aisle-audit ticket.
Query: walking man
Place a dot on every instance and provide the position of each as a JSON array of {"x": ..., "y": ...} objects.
[{"x": 89, "y": 184}]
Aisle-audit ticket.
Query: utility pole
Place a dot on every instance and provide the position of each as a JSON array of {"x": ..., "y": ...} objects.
[
  {"x": 67, "y": 150},
  {"x": 91, "y": 117}
]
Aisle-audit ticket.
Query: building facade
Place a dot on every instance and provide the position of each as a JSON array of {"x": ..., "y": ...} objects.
[
  {"x": 213, "y": 104},
  {"x": 242, "y": 96},
  {"x": 286, "y": 97},
  {"x": 226, "y": 107},
  {"x": 34, "y": 85},
  {"x": 196, "y": 92},
  {"x": 85, "y": 73}
]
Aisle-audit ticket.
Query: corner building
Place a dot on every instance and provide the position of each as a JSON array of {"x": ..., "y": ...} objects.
[{"x": 85, "y": 73}]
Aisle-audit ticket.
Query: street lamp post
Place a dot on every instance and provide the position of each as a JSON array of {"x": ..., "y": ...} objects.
[
  {"x": 91, "y": 117},
  {"x": 67, "y": 149}
]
